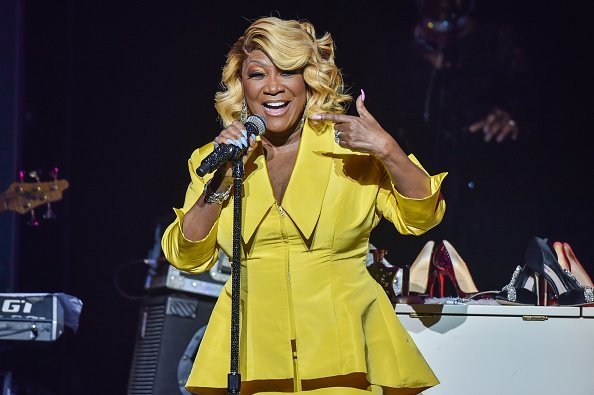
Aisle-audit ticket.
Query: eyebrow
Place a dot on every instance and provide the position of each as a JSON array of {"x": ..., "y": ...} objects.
[{"x": 259, "y": 62}]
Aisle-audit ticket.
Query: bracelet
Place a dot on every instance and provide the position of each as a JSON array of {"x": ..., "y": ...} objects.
[{"x": 211, "y": 196}]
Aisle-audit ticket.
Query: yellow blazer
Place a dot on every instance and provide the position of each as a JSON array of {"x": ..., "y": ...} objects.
[{"x": 309, "y": 307}]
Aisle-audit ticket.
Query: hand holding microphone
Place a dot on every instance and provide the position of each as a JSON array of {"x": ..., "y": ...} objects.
[{"x": 233, "y": 142}]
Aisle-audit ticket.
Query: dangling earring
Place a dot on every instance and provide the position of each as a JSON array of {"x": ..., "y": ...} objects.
[
  {"x": 303, "y": 116},
  {"x": 302, "y": 121},
  {"x": 243, "y": 115}
]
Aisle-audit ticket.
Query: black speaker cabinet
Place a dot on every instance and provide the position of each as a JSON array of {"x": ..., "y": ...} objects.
[{"x": 169, "y": 333}]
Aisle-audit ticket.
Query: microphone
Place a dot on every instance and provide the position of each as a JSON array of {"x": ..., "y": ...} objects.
[{"x": 254, "y": 125}]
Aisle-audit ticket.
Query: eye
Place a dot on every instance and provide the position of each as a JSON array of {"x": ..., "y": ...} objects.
[
  {"x": 255, "y": 74},
  {"x": 289, "y": 73}
]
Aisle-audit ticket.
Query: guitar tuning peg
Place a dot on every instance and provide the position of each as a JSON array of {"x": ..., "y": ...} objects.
[
  {"x": 54, "y": 173},
  {"x": 35, "y": 175},
  {"x": 33, "y": 222},
  {"x": 49, "y": 212}
]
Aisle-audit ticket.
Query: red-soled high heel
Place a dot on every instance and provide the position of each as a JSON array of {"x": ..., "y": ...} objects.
[
  {"x": 576, "y": 267},
  {"x": 433, "y": 281},
  {"x": 561, "y": 256},
  {"x": 567, "y": 259},
  {"x": 447, "y": 262}
]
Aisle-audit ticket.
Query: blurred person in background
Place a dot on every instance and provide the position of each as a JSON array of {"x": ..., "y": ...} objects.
[{"x": 466, "y": 102}]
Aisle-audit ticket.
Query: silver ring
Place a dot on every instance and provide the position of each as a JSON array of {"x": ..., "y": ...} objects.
[{"x": 337, "y": 136}]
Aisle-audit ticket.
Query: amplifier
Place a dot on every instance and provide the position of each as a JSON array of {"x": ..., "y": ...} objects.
[
  {"x": 169, "y": 334},
  {"x": 29, "y": 316},
  {"x": 163, "y": 275}
]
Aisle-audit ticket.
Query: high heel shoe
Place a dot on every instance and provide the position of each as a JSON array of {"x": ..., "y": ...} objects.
[
  {"x": 419, "y": 270},
  {"x": 569, "y": 291},
  {"x": 447, "y": 262},
  {"x": 521, "y": 290},
  {"x": 569, "y": 261},
  {"x": 561, "y": 257}
]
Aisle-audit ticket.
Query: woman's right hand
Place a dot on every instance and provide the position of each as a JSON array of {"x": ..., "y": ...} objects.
[
  {"x": 199, "y": 220},
  {"x": 236, "y": 134}
]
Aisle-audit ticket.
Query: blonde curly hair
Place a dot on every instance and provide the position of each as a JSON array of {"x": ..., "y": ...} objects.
[{"x": 290, "y": 45}]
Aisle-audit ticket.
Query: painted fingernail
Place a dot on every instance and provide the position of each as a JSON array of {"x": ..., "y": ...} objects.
[
  {"x": 244, "y": 132},
  {"x": 316, "y": 116},
  {"x": 244, "y": 141},
  {"x": 362, "y": 95},
  {"x": 234, "y": 142}
]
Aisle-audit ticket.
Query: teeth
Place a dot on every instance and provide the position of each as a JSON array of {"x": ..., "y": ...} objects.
[{"x": 276, "y": 104}]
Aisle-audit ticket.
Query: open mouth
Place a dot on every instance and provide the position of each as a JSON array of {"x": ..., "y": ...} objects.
[
  {"x": 276, "y": 108},
  {"x": 276, "y": 105}
]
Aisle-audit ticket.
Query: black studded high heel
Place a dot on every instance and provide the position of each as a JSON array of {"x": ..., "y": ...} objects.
[
  {"x": 569, "y": 291},
  {"x": 521, "y": 290}
]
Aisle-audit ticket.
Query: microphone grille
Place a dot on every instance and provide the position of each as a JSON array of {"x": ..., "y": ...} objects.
[{"x": 258, "y": 122}]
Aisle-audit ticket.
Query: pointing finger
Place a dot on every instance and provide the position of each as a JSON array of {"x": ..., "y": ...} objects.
[
  {"x": 361, "y": 109},
  {"x": 336, "y": 118}
]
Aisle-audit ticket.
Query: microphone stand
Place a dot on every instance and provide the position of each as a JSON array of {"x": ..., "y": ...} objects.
[{"x": 234, "y": 378}]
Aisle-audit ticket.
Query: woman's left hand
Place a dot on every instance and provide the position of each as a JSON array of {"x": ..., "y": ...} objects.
[
  {"x": 359, "y": 133},
  {"x": 365, "y": 134}
]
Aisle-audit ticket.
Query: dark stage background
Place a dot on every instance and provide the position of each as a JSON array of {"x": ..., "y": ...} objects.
[{"x": 118, "y": 94}]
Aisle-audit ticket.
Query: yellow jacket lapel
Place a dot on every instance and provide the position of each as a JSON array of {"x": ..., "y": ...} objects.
[
  {"x": 307, "y": 185},
  {"x": 309, "y": 179},
  {"x": 257, "y": 193}
]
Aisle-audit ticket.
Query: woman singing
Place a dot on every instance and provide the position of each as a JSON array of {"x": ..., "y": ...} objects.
[{"x": 316, "y": 183}]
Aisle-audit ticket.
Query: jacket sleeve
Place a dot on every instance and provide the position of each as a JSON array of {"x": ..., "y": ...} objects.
[
  {"x": 191, "y": 256},
  {"x": 411, "y": 216}
]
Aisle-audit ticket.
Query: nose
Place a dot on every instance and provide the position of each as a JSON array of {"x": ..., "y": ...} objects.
[{"x": 274, "y": 85}]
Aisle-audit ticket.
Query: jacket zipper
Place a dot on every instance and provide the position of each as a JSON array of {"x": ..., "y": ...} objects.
[{"x": 297, "y": 378}]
